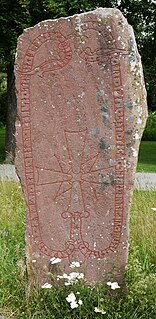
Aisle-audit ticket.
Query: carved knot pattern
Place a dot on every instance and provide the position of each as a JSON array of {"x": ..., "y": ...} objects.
[{"x": 59, "y": 54}]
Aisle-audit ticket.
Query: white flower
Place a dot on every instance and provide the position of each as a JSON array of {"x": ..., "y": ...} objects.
[
  {"x": 114, "y": 285},
  {"x": 96, "y": 309},
  {"x": 76, "y": 275},
  {"x": 46, "y": 285},
  {"x": 71, "y": 297},
  {"x": 68, "y": 283},
  {"x": 64, "y": 276},
  {"x": 55, "y": 260},
  {"x": 80, "y": 302},
  {"x": 154, "y": 209},
  {"x": 71, "y": 278},
  {"x": 75, "y": 264},
  {"x": 72, "y": 300},
  {"x": 73, "y": 305}
]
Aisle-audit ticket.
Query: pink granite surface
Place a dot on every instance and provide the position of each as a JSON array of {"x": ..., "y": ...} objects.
[{"x": 81, "y": 114}]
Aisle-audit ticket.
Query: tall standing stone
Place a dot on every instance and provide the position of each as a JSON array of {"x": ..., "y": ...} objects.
[{"x": 81, "y": 114}]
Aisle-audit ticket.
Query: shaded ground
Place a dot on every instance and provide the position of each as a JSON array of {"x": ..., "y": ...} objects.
[
  {"x": 145, "y": 181},
  {"x": 7, "y": 171}
]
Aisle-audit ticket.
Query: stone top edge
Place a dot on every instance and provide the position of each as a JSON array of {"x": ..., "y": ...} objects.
[{"x": 102, "y": 11}]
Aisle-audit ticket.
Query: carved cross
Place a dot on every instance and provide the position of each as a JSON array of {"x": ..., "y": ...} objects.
[{"x": 80, "y": 179}]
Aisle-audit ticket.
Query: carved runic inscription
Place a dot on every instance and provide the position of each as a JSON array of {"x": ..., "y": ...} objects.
[
  {"x": 76, "y": 181},
  {"x": 81, "y": 114},
  {"x": 73, "y": 177}
]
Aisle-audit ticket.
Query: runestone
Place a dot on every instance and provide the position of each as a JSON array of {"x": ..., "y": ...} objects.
[{"x": 81, "y": 114}]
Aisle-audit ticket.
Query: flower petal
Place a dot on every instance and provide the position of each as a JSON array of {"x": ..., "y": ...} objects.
[
  {"x": 114, "y": 285},
  {"x": 46, "y": 285},
  {"x": 71, "y": 297},
  {"x": 73, "y": 305}
]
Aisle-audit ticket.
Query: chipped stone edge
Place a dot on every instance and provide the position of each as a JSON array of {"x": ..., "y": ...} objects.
[{"x": 102, "y": 12}]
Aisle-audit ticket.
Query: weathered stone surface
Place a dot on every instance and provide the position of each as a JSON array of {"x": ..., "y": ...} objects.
[{"x": 81, "y": 114}]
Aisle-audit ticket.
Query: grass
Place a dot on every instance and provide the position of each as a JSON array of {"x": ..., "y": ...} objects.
[
  {"x": 147, "y": 157},
  {"x": 137, "y": 303},
  {"x": 2, "y": 144},
  {"x": 143, "y": 225}
]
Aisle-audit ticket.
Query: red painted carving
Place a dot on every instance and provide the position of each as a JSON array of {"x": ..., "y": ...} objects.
[
  {"x": 86, "y": 44},
  {"x": 60, "y": 57},
  {"x": 71, "y": 179},
  {"x": 72, "y": 175}
]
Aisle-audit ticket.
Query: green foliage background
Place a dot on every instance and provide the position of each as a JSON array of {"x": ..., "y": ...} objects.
[
  {"x": 150, "y": 129},
  {"x": 3, "y": 97}
]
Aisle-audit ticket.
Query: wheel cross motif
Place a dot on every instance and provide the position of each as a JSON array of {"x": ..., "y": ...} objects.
[{"x": 77, "y": 179}]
